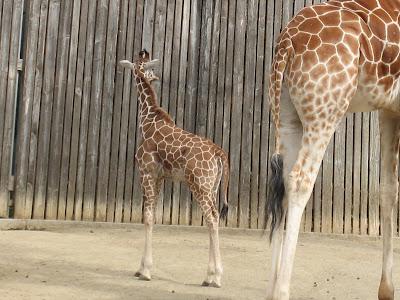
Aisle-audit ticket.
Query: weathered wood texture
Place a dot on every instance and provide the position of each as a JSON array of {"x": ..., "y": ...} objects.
[
  {"x": 10, "y": 37},
  {"x": 77, "y": 119}
]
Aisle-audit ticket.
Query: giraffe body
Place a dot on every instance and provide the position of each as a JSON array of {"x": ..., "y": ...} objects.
[
  {"x": 169, "y": 152},
  {"x": 331, "y": 59}
]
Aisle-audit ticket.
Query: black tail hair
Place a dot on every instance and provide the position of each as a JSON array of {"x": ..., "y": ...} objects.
[
  {"x": 224, "y": 212},
  {"x": 274, "y": 207}
]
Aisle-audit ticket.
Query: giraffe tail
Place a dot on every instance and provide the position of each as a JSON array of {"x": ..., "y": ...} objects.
[
  {"x": 274, "y": 205},
  {"x": 225, "y": 178}
]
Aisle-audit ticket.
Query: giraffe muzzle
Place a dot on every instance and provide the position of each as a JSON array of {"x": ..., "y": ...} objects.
[{"x": 126, "y": 64}]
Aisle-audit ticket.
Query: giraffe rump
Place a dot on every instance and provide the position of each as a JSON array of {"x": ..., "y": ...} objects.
[{"x": 274, "y": 208}]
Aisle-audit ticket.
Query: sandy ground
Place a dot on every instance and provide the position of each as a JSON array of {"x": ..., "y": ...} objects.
[{"x": 99, "y": 263}]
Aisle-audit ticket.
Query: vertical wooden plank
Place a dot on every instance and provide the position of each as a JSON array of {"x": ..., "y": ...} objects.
[
  {"x": 308, "y": 214},
  {"x": 5, "y": 39},
  {"x": 317, "y": 209},
  {"x": 364, "y": 173},
  {"x": 53, "y": 205},
  {"x": 113, "y": 200},
  {"x": 158, "y": 46},
  {"x": 220, "y": 89},
  {"x": 357, "y": 172},
  {"x": 327, "y": 189},
  {"x": 298, "y": 5},
  {"x": 265, "y": 123},
  {"x": 166, "y": 102},
  {"x": 204, "y": 66},
  {"x": 174, "y": 95},
  {"x": 46, "y": 109},
  {"x": 228, "y": 99},
  {"x": 258, "y": 98},
  {"x": 2, "y": 99},
  {"x": 192, "y": 80},
  {"x": 339, "y": 177},
  {"x": 237, "y": 102},
  {"x": 123, "y": 141},
  {"x": 107, "y": 112},
  {"x": 38, "y": 84},
  {"x": 308, "y": 2},
  {"x": 373, "y": 182},
  {"x": 77, "y": 156},
  {"x": 6, "y": 26},
  {"x": 10, "y": 107},
  {"x": 247, "y": 115},
  {"x": 159, "y": 31},
  {"x": 396, "y": 212},
  {"x": 84, "y": 117},
  {"x": 148, "y": 25},
  {"x": 90, "y": 208},
  {"x": 184, "y": 199},
  {"x": 215, "y": 43},
  {"x": 25, "y": 111},
  {"x": 287, "y": 12},
  {"x": 348, "y": 193},
  {"x": 134, "y": 135},
  {"x": 66, "y": 204}
]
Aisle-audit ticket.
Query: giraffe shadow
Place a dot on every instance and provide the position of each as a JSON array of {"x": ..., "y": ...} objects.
[{"x": 171, "y": 280}]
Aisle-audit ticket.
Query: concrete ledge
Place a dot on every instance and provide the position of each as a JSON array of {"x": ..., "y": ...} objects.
[{"x": 57, "y": 225}]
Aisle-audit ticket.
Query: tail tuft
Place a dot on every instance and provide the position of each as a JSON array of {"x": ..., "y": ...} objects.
[
  {"x": 274, "y": 207},
  {"x": 224, "y": 211}
]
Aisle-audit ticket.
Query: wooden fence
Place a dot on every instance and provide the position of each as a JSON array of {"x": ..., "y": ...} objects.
[{"x": 77, "y": 111}]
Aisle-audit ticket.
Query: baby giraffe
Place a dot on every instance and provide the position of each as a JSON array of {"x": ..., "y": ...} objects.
[{"x": 168, "y": 151}]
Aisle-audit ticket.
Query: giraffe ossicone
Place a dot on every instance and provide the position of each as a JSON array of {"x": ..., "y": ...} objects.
[
  {"x": 332, "y": 58},
  {"x": 169, "y": 152}
]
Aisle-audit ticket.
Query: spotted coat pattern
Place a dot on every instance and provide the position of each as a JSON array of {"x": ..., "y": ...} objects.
[{"x": 168, "y": 151}]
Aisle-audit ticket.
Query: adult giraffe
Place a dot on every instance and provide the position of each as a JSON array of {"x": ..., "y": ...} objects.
[{"x": 332, "y": 58}]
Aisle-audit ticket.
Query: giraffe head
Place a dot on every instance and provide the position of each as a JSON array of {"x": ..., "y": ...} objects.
[{"x": 142, "y": 65}]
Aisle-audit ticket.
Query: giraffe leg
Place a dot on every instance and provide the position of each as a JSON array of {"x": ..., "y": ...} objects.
[
  {"x": 214, "y": 274},
  {"x": 291, "y": 131},
  {"x": 211, "y": 265},
  {"x": 299, "y": 185},
  {"x": 151, "y": 190},
  {"x": 214, "y": 234},
  {"x": 211, "y": 216},
  {"x": 390, "y": 130}
]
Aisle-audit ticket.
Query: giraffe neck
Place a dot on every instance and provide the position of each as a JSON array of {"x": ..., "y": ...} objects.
[{"x": 149, "y": 110}]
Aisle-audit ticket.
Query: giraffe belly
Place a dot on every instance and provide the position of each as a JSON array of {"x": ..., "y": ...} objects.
[
  {"x": 175, "y": 174},
  {"x": 374, "y": 96},
  {"x": 361, "y": 102}
]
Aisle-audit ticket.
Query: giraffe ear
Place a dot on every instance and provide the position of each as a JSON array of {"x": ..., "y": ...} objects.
[
  {"x": 151, "y": 64},
  {"x": 126, "y": 64}
]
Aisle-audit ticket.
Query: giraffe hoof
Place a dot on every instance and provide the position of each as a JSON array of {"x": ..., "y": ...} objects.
[
  {"x": 137, "y": 274},
  {"x": 211, "y": 284},
  {"x": 205, "y": 283},
  {"x": 144, "y": 277},
  {"x": 215, "y": 284}
]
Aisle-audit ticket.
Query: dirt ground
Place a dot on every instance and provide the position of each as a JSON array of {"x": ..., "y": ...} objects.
[{"x": 99, "y": 263}]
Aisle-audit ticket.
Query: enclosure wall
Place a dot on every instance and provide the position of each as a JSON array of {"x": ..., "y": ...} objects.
[{"x": 77, "y": 112}]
